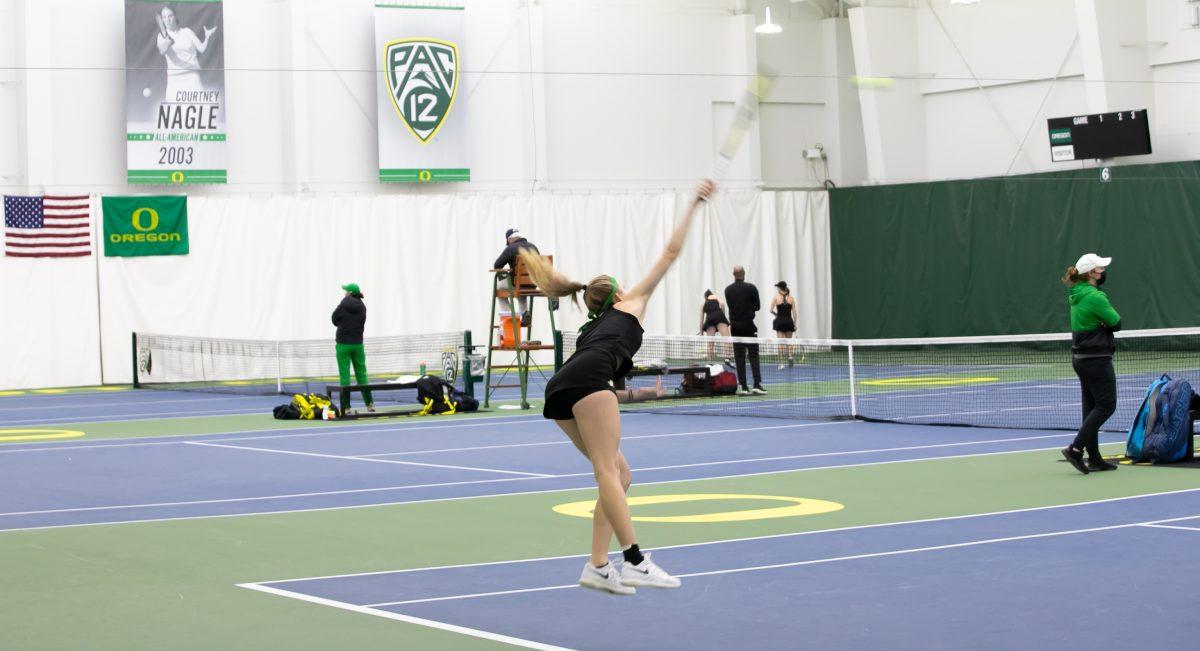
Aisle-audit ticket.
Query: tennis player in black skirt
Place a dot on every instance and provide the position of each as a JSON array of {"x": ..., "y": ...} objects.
[{"x": 580, "y": 398}]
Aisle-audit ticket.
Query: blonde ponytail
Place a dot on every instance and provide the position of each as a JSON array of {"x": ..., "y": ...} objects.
[
  {"x": 548, "y": 279},
  {"x": 596, "y": 292}
]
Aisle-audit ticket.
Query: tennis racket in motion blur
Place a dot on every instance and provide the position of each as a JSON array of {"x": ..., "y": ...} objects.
[{"x": 744, "y": 115}]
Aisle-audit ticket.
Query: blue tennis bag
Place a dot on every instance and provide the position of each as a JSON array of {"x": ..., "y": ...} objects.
[{"x": 1162, "y": 430}]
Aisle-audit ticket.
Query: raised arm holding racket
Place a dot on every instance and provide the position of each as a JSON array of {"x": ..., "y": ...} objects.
[{"x": 580, "y": 398}]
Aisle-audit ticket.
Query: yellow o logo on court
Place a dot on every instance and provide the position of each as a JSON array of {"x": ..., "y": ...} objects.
[
  {"x": 424, "y": 175},
  {"x": 796, "y": 506},
  {"x": 177, "y": 177},
  {"x": 12, "y": 435},
  {"x": 137, "y": 219}
]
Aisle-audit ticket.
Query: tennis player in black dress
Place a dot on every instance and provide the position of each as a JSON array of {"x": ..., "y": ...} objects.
[
  {"x": 783, "y": 306},
  {"x": 713, "y": 320},
  {"x": 580, "y": 398}
]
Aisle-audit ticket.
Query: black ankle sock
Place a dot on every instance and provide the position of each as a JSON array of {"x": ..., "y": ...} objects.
[{"x": 633, "y": 555}]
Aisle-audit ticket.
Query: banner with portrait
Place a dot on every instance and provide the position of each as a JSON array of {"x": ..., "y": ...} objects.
[
  {"x": 420, "y": 95},
  {"x": 175, "y": 92}
]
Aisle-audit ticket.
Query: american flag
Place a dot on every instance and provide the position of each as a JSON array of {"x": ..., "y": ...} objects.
[{"x": 47, "y": 227}]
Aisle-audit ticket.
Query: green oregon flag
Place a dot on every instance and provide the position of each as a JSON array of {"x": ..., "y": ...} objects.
[{"x": 145, "y": 226}]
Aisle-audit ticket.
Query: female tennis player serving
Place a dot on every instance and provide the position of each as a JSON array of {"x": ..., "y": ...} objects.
[{"x": 581, "y": 399}]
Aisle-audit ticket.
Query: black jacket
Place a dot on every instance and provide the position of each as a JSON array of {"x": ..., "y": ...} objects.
[
  {"x": 742, "y": 299},
  {"x": 508, "y": 258},
  {"x": 1095, "y": 343},
  {"x": 350, "y": 317}
]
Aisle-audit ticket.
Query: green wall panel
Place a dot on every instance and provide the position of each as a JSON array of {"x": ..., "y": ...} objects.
[{"x": 984, "y": 256}]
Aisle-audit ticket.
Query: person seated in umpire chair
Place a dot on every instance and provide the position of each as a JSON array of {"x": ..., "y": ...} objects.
[{"x": 514, "y": 244}]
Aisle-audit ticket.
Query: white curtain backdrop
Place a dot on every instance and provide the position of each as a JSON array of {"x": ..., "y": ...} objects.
[
  {"x": 271, "y": 267},
  {"x": 48, "y": 322}
]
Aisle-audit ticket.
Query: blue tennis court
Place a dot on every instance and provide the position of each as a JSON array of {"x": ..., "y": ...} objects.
[{"x": 941, "y": 536}]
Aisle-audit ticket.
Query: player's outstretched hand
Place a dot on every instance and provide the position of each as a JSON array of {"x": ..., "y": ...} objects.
[{"x": 705, "y": 189}]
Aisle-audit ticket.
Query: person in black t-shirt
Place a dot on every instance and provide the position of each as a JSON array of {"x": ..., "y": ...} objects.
[
  {"x": 742, "y": 299},
  {"x": 514, "y": 244}
]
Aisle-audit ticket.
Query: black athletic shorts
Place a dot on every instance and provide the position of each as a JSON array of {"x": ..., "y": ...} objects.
[{"x": 559, "y": 404}]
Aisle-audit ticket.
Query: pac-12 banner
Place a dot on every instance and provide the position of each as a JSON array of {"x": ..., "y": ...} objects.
[
  {"x": 175, "y": 92},
  {"x": 420, "y": 95}
]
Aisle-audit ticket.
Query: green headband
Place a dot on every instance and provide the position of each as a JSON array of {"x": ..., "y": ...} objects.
[{"x": 595, "y": 314}]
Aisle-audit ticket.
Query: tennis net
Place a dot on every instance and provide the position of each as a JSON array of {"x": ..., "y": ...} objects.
[
  {"x": 1020, "y": 381},
  {"x": 264, "y": 367}
]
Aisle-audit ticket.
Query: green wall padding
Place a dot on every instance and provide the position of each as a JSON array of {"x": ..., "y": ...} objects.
[{"x": 984, "y": 256}]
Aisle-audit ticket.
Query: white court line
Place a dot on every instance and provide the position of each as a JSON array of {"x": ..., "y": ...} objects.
[
  {"x": 93, "y": 405},
  {"x": 997, "y": 411},
  {"x": 50, "y": 446},
  {"x": 623, "y": 438},
  {"x": 480, "y": 594},
  {"x": 453, "y": 628},
  {"x": 793, "y": 534},
  {"x": 1167, "y": 526},
  {"x": 846, "y": 453},
  {"x": 488, "y": 421},
  {"x": 100, "y": 444},
  {"x": 472, "y": 482},
  {"x": 458, "y": 498},
  {"x": 816, "y": 561},
  {"x": 285, "y": 496},
  {"x": 348, "y": 458},
  {"x": 105, "y": 418}
]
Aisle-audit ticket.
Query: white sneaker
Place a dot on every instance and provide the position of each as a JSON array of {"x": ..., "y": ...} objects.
[
  {"x": 781, "y": 367},
  {"x": 647, "y": 574},
  {"x": 758, "y": 391},
  {"x": 604, "y": 578},
  {"x": 743, "y": 392}
]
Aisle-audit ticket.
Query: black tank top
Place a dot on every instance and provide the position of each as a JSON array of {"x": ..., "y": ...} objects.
[
  {"x": 616, "y": 332},
  {"x": 784, "y": 310},
  {"x": 712, "y": 308},
  {"x": 603, "y": 353}
]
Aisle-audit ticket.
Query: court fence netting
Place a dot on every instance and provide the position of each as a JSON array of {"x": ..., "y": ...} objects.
[
  {"x": 1017, "y": 381},
  {"x": 265, "y": 367}
]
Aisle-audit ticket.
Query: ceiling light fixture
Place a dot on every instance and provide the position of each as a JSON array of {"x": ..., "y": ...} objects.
[{"x": 768, "y": 27}]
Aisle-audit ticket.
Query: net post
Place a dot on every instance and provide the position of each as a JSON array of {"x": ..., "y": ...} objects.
[
  {"x": 468, "y": 350},
  {"x": 558, "y": 350},
  {"x": 853, "y": 382},
  {"x": 279, "y": 367},
  {"x": 133, "y": 349}
]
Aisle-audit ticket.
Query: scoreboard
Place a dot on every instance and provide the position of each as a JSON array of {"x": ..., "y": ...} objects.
[{"x": 1102, "y": 135}]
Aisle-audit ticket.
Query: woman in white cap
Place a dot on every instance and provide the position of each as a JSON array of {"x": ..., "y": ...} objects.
[{"x": 1093, "y": 322}]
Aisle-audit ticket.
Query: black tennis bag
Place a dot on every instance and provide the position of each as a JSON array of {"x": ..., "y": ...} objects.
[
  {"x": 287, "y": 412},
  {"x": 440, "y": 397}
]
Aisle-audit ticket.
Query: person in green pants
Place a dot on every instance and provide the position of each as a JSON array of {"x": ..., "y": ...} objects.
[{"x": 350, "y": 317}]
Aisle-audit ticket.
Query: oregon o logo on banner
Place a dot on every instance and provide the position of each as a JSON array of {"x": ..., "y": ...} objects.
[
  {"x": 177, "y": 177},
  {"x": 795, "y": 506},
  {"x": 424, "y": 175},
  {"x": 137, "y": 220}
]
